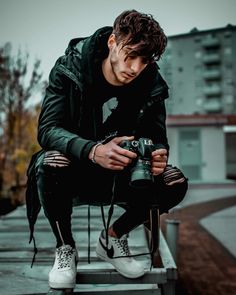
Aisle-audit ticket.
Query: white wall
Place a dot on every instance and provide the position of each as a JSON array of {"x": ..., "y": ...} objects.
[
  {"x": 172, "y": 133},
  {"x": 213, "y": 153},
  {"x": 212, "y": 147}
]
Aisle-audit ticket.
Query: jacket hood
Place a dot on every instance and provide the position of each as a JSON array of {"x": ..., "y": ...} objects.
[
  {"x": 86, "y": 52},
  {"x": 85, "y": 55}
]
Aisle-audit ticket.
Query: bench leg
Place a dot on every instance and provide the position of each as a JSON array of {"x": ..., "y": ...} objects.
[{"x": 169, "y": 288}]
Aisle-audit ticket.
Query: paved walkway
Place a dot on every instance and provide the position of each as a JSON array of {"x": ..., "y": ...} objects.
[
  {"x": 221, "y": 225},
  {"x": 206, "y": 247}
]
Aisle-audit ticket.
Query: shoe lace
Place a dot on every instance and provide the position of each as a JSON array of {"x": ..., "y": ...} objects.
[
  {"x": 123, "y": 246},
  {"x": 65, "y": 255}
]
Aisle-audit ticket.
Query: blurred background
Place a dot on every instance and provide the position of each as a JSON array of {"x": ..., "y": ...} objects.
[{"x": 199, "y": 65}]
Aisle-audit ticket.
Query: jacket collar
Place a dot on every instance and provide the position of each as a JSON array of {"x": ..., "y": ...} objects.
[{"x": 88, "y": 52}]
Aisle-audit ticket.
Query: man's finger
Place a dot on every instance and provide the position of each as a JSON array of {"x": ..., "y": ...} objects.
[
  {"x": 119, "y": 139},
  {"x": 159, "y": 152}
]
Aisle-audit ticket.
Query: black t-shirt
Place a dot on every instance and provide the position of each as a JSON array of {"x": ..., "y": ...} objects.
[
  {"x": 104, "y": 89},
  {"x": 117, "y": 103}
]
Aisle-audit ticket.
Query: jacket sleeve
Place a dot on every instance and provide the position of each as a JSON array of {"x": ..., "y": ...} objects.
[
  {"x": 158, "y": 117},
  {"x": 53, "y": 130},
  {"x": 152, "y": 118},
  {"x": 152, "y": 124}
]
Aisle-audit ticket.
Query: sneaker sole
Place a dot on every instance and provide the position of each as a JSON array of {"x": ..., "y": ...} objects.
[
  {"x": 122, "y": 273},
  {"x": 61, "y": 285}
]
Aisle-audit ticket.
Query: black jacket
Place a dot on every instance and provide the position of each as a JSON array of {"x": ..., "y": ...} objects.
[
  {"x": 71, "y": 115},
  {"x": 71, "y": 118}
]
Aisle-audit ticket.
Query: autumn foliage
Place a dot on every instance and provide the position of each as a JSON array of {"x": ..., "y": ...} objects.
[{"x": 19, "y": 86}]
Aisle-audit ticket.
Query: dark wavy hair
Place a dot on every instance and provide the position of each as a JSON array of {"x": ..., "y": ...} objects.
[{"x": 135, "y": 28}]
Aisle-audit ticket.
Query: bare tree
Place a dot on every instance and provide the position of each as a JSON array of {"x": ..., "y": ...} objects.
[{"x": 18, "y": 84}]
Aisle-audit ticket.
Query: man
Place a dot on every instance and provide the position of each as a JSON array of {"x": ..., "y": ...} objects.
[{"x": 82, "y": 138}]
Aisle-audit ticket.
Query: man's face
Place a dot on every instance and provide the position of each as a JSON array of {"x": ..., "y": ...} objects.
[{"x": 122, "y": 67}]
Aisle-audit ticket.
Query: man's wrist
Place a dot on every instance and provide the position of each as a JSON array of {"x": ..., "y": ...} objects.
[{"x": 92, "y": 154}]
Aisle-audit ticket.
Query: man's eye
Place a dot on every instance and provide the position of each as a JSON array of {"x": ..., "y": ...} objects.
[
  {"x": 129, "y": 57},
  {"x": 132, "y": 56}
]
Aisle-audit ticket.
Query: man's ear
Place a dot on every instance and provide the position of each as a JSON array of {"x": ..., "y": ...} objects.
[{"x": 111, "y": 41}]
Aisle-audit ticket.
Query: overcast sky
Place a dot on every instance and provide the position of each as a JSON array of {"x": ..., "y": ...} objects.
[{"x": 44, "y": 27}]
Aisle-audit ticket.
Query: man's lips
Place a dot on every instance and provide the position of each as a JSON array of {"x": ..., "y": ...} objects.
[{"x": 127, "y": 75}]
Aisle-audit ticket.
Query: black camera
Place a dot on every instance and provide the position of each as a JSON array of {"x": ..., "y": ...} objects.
[{"x": 141, "y": 174}]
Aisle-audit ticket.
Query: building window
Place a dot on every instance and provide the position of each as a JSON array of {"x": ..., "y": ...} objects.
[
  {"x": 228, "y": 66},
  {"x": 198, "y": 54},
  {"x": 228, "y": 51},
  {"x": 227, "y": 35},
  {"x": 197, "y": 40}
]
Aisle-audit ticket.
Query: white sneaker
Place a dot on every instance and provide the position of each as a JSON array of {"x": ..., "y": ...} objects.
[
  {"x": 63, "y": 273},
  {"x": 118, "y": 254}
]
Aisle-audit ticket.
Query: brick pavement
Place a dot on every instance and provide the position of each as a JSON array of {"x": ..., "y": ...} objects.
[{"x": 205, "y": 266}]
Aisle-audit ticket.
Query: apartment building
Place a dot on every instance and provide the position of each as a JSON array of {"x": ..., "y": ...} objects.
[{"x": 200, "y": 68}]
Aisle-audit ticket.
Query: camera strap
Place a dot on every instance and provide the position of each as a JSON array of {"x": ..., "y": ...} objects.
[
  {"x": 110, "y": 212},
  {"x": 153, "y": 226}
]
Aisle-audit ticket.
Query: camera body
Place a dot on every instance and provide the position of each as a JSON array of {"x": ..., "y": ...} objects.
[{"x": 141, "y": 174}]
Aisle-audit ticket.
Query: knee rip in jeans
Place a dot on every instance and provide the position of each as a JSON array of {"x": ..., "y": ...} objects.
[
  {"x": 55, "y": 159},
  {"x": 173, "y": 175}
]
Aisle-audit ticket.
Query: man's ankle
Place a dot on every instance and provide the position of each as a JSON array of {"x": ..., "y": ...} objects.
[
  {"x": 58, "y": 245},
  {"x": 111, "y": 232}
]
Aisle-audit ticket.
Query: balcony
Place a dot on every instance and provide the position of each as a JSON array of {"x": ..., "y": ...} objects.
[
  {"x": 211, "y": 43},
  {"x": 212, "y": 90},
  {"x": 212, "y": 75},
  {"x": 213, "y": 58},
  {"x": 212, "y": 105}
]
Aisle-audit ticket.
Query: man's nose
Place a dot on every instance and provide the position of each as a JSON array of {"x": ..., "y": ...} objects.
[{"x": 136, "y": 65}]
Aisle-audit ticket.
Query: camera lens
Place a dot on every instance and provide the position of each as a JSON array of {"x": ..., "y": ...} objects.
[{"x": 141, "y": 175}]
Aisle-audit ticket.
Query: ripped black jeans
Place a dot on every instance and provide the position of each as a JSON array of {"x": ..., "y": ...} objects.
[{"x": 60, "y": 180}]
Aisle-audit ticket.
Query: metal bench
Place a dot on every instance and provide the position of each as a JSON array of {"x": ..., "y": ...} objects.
[
  {"x": 92, "y": 278},
  {"x": 158, "y": 280}
]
